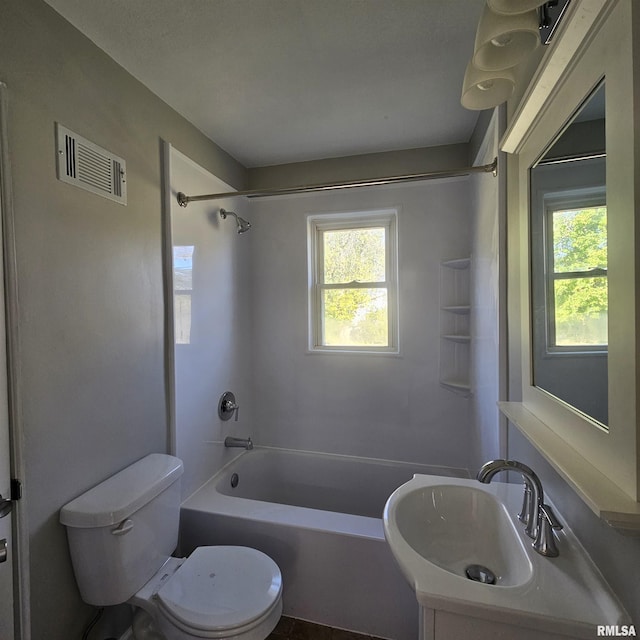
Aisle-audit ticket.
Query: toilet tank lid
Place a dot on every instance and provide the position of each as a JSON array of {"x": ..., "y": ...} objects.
[{"x": 122, "y": 494}]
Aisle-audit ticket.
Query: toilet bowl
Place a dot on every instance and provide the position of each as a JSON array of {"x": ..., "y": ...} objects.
[
  {"x": 121, "y": 536},
  {"x": 217, "y": 592}
]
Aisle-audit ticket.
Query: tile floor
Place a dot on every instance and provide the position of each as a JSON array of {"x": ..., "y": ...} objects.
[{"x": 293, "y": 629}]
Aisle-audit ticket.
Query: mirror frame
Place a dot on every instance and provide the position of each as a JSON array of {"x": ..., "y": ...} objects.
[{"x": 596, "y": 43}]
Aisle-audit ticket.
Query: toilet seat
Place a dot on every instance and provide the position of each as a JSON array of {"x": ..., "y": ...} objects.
[{"x": 221, "y": 591}]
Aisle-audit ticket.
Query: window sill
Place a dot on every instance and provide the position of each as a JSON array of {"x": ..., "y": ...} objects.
[
  {"x": 601, "y": 495},
  {"x": 353, "y": 352}
]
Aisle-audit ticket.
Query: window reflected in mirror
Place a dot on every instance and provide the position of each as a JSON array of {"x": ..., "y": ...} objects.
[
  {"x": 569, "y": 286},
  {"x": 577, "y": 286}
]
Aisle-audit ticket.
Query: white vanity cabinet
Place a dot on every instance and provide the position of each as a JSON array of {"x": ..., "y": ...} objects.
[{"x": 443, "y": 625}]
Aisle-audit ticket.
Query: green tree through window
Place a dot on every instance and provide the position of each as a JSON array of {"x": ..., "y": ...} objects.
[
  {"x": 578, "y": 283},
  {"x": 354, "y": 282},
  {"x": 355, "y": 315}
]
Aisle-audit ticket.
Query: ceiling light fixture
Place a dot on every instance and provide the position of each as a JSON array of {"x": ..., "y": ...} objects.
[
  {"x": 486, "y": 89},
  {"x": 505, "y": 41},
  {"x": 511, "y": 7},
  {"x": 508, "y": 33}
]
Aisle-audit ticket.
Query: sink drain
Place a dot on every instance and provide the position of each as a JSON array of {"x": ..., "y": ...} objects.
[{"x": 478, "y": 573}]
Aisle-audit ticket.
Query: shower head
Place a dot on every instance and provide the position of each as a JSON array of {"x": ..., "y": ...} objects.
[{"x": 243, "y": 225}]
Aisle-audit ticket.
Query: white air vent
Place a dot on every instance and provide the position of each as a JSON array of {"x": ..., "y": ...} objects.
[{"x": 90, "y": 167}]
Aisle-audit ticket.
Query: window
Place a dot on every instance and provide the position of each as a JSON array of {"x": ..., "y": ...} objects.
[
  {"x": 353, "y": 282},
  {"x": 576, "y": 241},
  {"x": 182, "y": 292}
]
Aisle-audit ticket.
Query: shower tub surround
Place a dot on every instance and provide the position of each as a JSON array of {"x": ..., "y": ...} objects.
[{"x": 319, "y": 516}]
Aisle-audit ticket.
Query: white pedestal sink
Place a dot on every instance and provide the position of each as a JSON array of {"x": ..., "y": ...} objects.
[{"x": 437, "y": 527}]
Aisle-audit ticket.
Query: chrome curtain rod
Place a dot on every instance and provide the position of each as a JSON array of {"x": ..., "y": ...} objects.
[{"x": 184, "y": 200}]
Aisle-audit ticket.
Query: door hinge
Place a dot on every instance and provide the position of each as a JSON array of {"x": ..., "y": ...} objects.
[{"x": 16, "y": 489}]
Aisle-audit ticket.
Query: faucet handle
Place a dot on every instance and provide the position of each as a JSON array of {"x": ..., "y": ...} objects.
[
  {"x": 234, "y": 408},
  {"x": 545, "y": 542},
  {"x": 547, "y": 513},
  {"x": 525, "y": 513}
]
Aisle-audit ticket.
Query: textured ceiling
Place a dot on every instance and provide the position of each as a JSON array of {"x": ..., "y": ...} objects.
[{"x": 276, "y": 81}]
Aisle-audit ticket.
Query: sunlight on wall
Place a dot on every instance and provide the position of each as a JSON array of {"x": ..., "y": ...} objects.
[{"x": 182, "y": 292}]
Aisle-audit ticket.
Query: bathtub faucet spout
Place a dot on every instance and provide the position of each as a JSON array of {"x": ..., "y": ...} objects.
[{"x": 244, "y": 443}]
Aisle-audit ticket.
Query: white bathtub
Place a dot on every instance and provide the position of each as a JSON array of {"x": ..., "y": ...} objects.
[{"x": 319, "y": 517}]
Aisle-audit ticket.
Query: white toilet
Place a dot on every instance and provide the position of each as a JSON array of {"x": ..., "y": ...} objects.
[{"x": 121, "y": 535}]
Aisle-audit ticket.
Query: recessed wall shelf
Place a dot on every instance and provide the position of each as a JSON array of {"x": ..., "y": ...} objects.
[
  {"x": 460, "y": 309},
  {"x": 457, "y": 338},
  {"x": 458, "y": 263},
  {"x": 459, "y": 387},
  {"x": 455, "y": 330}
]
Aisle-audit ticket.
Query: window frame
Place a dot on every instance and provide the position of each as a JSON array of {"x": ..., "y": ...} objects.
[
  {"x": 317, "y": 225},
  {"x": 574, "y": 200}
]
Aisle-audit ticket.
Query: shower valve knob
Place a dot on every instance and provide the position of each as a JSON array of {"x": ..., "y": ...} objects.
[{"x": 228, "y": 406}]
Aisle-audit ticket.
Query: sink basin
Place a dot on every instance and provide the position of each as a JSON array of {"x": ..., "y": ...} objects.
[
  {"x": 456, "y": 526},
  {"x": 437, "y": 527}
]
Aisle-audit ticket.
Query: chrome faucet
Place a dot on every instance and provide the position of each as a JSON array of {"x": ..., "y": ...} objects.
[
  {"x": 532, "y": 490},
  {"x": 244, "y": 443},
  {"x": 538, "y": 518}
]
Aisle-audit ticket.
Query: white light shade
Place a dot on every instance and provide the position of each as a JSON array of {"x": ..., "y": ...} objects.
[
  {"x": 511, "y": 7},
  {"x": 504, "y": 41},
  {"x": 486, "y": 89}
]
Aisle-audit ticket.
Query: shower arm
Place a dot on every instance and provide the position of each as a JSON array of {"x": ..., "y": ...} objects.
[
  {"x": 184, "y": 200},
  {"x": 224, "y": 213}
]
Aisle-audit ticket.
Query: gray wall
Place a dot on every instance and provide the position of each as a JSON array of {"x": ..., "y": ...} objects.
[
  {"x": 487, "y": 279},
  {"x": 89, "y": 282},
  {"x": 212, "y": 352},
  {"x": 386, "y": 407},
  {"x": 370, "y": 405}
]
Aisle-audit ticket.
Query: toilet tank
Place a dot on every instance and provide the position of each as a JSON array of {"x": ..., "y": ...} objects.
[{"x": 124, "y": 529}]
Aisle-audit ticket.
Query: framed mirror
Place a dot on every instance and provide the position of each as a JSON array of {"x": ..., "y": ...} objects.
[
  {"x": 569, "y": 283},
  {"x": 583, "y": 415}
]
